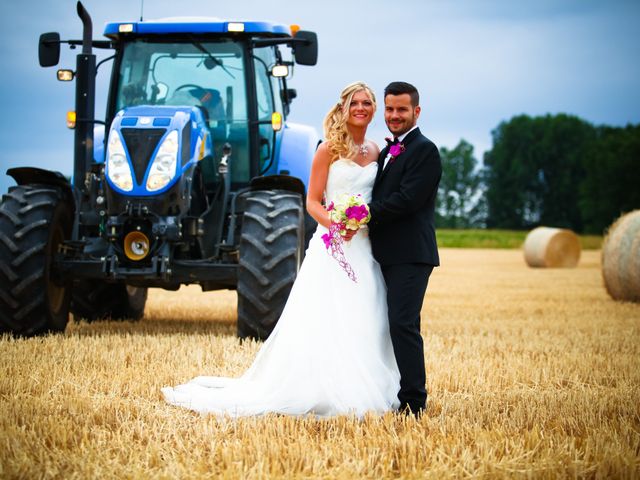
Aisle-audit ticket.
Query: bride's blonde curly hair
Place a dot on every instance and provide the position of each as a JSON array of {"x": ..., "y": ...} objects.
[{"x": 340, "y": 143}]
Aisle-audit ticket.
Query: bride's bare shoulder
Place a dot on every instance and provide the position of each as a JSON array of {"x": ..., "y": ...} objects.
[
  {"x": 324, "y": 147},
  {"x": 373, "y": 147},
  {"x": 323, "y": 153}
]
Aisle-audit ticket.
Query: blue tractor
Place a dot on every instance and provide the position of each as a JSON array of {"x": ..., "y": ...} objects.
[{"x": 194, "y": 177}]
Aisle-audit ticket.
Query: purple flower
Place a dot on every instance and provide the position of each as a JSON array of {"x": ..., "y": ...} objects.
[
  {"x": 326, "y": 238},
  {"x": 396, "y": 149},
  {"x": 357, "y": 212},
  {"x": 330, "y": 207}
]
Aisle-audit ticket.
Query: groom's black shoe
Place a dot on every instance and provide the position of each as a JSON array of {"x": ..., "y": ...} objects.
[{"x": 412, "y": 410}]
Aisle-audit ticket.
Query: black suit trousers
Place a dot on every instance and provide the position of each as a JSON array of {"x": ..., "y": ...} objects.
[{"x": 406, "y": 287}]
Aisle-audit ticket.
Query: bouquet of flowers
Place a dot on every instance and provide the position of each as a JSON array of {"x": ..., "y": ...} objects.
[{"x": 348, "y": 212}]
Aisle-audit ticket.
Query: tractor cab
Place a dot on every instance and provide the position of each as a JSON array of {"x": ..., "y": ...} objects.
[{"x": 234, "y": 72}]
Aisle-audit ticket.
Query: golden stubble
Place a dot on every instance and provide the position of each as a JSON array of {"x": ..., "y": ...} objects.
[{"x": 531, "y": 373}]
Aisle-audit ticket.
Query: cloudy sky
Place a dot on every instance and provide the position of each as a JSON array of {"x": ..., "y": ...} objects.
[{"x": 475, "y": 62}]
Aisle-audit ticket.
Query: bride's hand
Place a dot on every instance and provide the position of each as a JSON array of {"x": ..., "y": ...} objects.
[{"x": 349, "y": 235}]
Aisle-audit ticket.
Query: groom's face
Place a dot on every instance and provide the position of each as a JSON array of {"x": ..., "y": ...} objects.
[{"x": 399, "y": 114}]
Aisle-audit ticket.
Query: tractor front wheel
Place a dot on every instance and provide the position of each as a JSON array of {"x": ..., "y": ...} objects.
[
  {"x": 98, "y": 300},
  {"x": 34, "y": 221},
  {"x": 271, "y": 250}
]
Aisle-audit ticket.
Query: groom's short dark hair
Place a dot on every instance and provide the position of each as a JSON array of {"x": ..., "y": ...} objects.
[{"x": 398, "y": 88}]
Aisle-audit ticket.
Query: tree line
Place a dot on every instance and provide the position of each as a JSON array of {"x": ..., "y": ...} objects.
[{"x": 553, "y": 170}]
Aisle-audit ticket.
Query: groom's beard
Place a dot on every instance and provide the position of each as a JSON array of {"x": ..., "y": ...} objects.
[{"x": 401, "y": 127}]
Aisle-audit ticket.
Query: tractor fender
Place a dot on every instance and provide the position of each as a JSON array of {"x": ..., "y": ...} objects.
[
  {"x": 40, "y": 176},
  {"x": 297, "y": 148},
  {"x": 278, "y": 182}
]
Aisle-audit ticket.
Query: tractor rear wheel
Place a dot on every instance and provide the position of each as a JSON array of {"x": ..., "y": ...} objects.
[
  {"x": 34, "y": 221},
  {"x": 98, "y": 300},
  {"x": 271, "y": 250}
]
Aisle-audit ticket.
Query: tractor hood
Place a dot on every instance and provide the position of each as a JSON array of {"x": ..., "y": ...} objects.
[{"x": 150, "y": 147}]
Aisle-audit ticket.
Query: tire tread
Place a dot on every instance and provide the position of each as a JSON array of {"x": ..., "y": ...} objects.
[{"x": 271, "y": 245}]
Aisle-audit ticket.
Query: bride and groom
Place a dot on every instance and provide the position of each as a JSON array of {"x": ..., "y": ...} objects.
[{"x": 345, "y": 347}]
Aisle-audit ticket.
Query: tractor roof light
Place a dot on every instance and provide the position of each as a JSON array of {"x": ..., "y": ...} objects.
[
  {"x": 71, "y": 119},
  {"x": 276, "y": 121},
  {"x": 294, "y": 29},
  {"x": 65, "y": 75},
  {"x": 280, "y": 71},
  {"x": 235, "y": 27},
  {"x": 125, "y": 28}
]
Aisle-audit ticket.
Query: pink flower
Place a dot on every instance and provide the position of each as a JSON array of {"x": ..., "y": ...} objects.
[
  {"x": 396, "y": 149},
  {"x": 357, "y": 212},
  {"x": 349, "y": 213},
  {"x": 326, "y": 238}
]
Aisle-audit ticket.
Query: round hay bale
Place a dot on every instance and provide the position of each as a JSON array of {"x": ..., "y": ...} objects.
[
  {"x": 621, "y": 258},
  {"x": 551, "y": 248}
]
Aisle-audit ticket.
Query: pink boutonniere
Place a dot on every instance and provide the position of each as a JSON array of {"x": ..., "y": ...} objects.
[{"x": 395, "y": 149}]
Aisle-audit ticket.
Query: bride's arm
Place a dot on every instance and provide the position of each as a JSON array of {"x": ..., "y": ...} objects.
[{"x": 317, "y": 185}]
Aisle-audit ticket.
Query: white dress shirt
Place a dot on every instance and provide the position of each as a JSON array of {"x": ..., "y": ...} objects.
[{"x": 400, "y": 139}]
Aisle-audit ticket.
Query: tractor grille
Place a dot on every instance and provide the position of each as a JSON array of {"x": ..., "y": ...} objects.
[{"x": 141, "y": 143}]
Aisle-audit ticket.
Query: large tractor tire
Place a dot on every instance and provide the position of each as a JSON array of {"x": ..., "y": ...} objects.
[
  {"x": 98, "y": 300},
  {"x": 34, "y": 221},
  {"x": 271, "y": 250}
]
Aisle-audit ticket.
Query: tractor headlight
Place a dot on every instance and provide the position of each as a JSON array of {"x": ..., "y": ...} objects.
[
  {"x": 118, "y": 169},
  {"x": 163, "y": 168}
]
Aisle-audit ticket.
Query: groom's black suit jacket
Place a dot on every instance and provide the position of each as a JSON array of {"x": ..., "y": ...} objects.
[{"x": 402, "y": 226}]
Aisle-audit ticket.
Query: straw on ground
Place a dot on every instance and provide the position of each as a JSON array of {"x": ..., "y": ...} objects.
[{"x": 531, "y": 372}]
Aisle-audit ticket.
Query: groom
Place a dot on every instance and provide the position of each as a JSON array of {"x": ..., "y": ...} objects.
[{"x": 403, "y": 235}]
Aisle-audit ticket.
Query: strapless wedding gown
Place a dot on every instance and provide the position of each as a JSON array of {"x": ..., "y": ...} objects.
[{"x": 330, "y": 353}]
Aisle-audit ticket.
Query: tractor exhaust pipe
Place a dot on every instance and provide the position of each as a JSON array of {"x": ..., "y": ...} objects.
[
  {"x": 87, "y": 29},
  {"x": 85, "y": 106}
]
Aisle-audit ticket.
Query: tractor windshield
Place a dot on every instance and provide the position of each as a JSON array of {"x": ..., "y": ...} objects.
[{"x": 208, "y": 74}]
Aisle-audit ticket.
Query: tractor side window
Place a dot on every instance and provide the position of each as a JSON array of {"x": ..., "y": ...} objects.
[{"x": 263, "y": 60}]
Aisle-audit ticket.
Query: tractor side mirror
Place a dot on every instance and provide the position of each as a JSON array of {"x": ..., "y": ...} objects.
[
  {"x": 306, "y": 47},
  {"x": 49, "y": 49}
]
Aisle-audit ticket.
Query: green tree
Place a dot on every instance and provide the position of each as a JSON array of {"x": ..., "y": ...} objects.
[
  {"x": 459, "y": 197},
  {"x": 533, "y": 171},
  {"x": 612, "y": 182}
]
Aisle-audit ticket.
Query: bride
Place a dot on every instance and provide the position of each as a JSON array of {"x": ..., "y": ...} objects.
[{"x": 330, "y": 353}]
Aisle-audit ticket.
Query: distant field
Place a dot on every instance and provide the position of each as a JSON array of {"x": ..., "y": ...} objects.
[
  {"x": 478, "y": 238},
  {"x": 532, "y": 373}
]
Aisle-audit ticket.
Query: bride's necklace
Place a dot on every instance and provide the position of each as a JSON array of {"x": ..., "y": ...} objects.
[{"x": 363, "y": 149}]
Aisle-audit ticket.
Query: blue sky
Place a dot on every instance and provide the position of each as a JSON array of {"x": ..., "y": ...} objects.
[{"x": 475, "y": 62}]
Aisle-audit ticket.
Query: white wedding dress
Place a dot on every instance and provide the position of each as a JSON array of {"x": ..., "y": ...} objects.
[{"x": 330, "y": 353}]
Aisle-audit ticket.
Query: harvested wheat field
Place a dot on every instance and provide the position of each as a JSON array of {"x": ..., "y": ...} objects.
[{"x": 531, "y": 372}]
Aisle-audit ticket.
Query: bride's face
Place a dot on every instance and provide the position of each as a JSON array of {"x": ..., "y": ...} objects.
[{"x": 361, "y": 109}]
